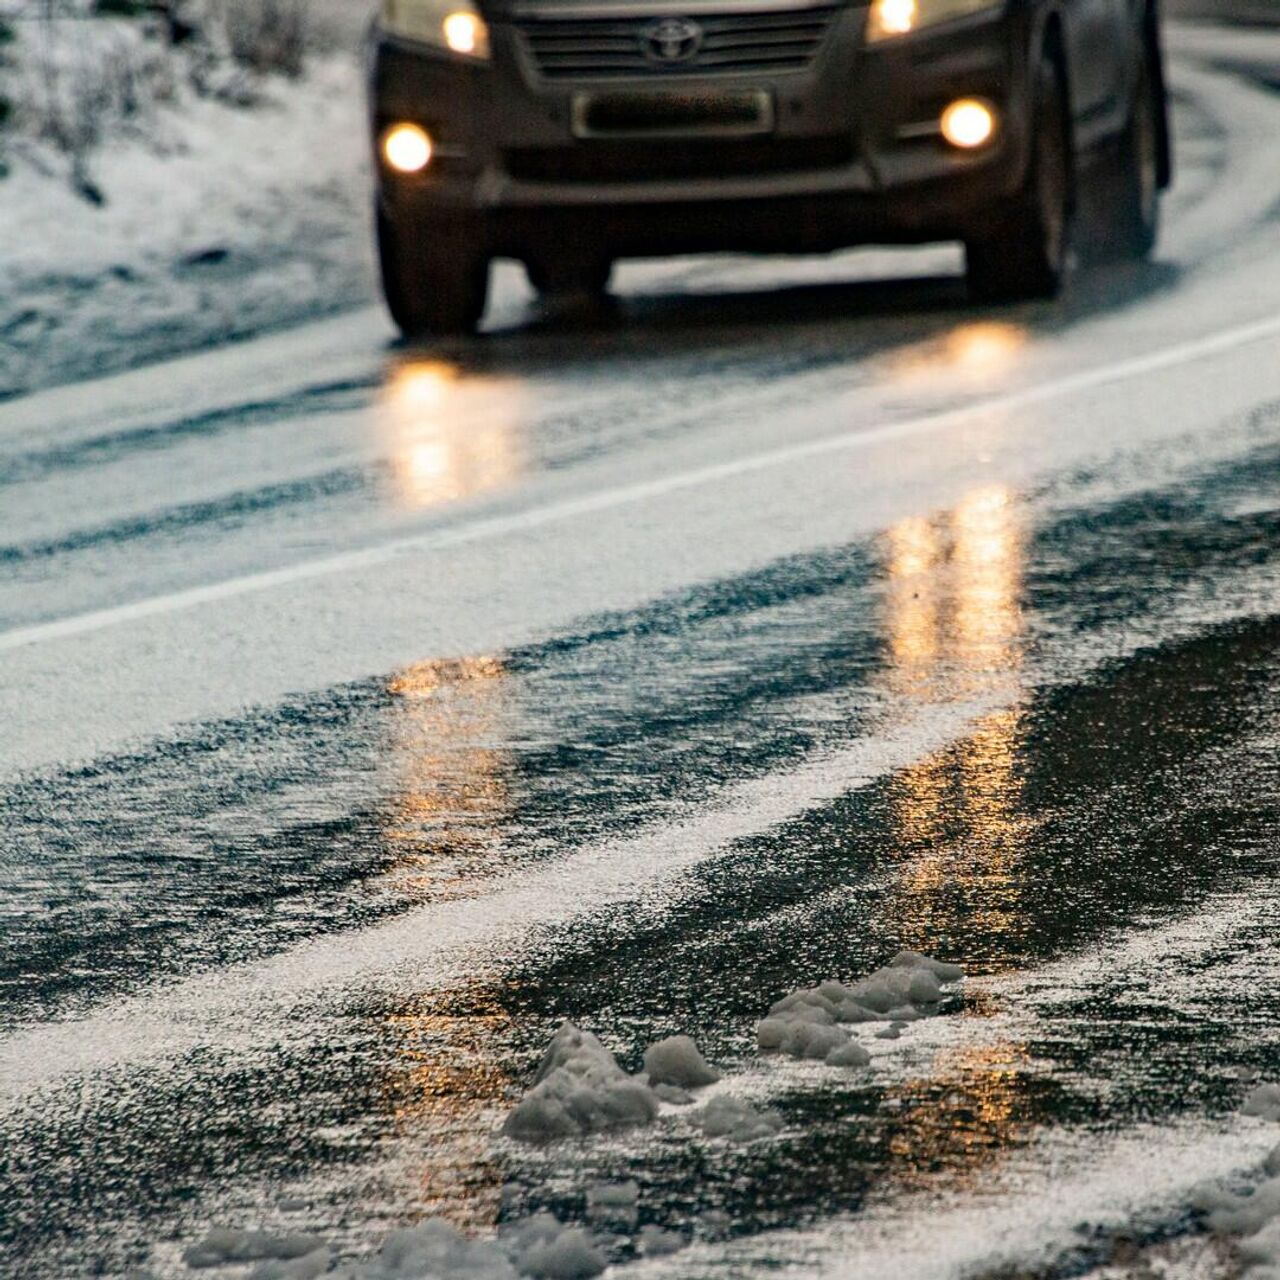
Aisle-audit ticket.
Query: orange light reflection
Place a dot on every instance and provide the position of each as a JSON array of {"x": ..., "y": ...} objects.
[
  {"x": 447, "y": 1097},
  {"x": 446, "y": 727},
  {"x": 955, "y": 631},
  {"x": 974, "y": 350},
  {"x": 450, "y": 438},
  {"x": 959, "y": 1118},
  {"x": 447, "y": 721}
]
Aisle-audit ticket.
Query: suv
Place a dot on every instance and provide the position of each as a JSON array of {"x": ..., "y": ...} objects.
[{"x": 570, "y": 133}]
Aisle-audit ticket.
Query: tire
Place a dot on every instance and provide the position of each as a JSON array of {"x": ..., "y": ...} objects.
[
  {"x": 586, "y": 276},
  {"x": 1133, "y": 206},
  {"x": 435, "y": 278},
  {"x": 1024, "y": 251}
]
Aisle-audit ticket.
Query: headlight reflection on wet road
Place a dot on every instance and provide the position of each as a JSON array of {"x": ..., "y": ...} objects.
[
  {"x": 954, "y": 628},
  {"x": 452, "y": 778},
  {"x": 971, "y": 351},
  {"x": 447, "y": 1092},
  {"x": 965, "y": 1113},
  {"x": 449, "y": 437},
  {"x": 445, "y": 726},
  {"x": 953, "y": 620}
]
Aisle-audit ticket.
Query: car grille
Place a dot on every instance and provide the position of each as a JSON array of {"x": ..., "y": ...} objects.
[{"x": 731, "y": 42}]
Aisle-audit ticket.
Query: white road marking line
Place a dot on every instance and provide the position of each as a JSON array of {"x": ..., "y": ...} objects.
[
  {"x": 246, "y": 1004},
  {"x": 625, "y": 495}
]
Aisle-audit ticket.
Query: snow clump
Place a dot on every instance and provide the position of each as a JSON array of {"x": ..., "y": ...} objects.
[
  {"x": 676, "y": 1061},
  {"x": 309, "y": 1267},
  {"x": 1243, "y": 1214},
  {"x": 727, "y": 1117},
  {"x": 225, "y": 1245},
  {"x": 654, "y": 1242},
  {"x": 579, "y": 1089},
  {"x": 673, "y": 1094},
  {"x": 1252, "y": 1216},
  {"x": 539, "y": 1247},
  {"x": 433, "y": 1248},
  {"x": 1264, "y": 1101},
  {"x": 806, "y": 1023}
]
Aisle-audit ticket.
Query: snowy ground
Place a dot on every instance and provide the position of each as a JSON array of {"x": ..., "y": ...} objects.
[{"x": 217, "y": 219}]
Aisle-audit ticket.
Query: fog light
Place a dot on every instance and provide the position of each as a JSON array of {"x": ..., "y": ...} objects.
[
  {"x": 968, "y": 123},
  {"x": 406, "y": 148}
]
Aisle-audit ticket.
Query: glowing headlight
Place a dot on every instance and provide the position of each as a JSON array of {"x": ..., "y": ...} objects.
[
  {"x": 464, "y": 32},
  {"x": 891, "y": 18},
  {"x": 447, "y": 24},
  {"x": 407, "y": 148},
  {"x": 968, "y": 123}
]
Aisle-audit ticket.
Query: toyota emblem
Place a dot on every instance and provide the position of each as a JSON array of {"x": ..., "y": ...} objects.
[{"x": 671, "y": 40}]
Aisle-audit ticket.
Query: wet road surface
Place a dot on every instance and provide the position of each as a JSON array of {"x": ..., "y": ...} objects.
[{"x": 369, "y": 712}]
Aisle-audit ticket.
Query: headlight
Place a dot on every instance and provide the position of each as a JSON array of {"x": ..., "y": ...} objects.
[
  {"x": 891, "y": 18},
  {"x": 447, "y": 24},
  {"x": 407, "y": 148}
]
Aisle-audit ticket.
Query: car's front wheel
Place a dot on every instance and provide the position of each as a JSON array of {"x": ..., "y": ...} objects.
[
  {"x": 1133, "y": 204},
  {"x": 435, "y": 278},
  {"x": 1023, "y": 251}
]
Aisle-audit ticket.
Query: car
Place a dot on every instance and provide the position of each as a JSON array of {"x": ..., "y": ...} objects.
[{"x": 568, "y": 134}]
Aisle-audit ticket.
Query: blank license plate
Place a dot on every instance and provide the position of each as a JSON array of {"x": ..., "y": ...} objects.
[{"x": 731, "y": 113}]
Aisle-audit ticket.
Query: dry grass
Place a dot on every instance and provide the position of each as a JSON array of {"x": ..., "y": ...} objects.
[
  {"x": 262, "y": 36},
  {"x": 76, "y": 72}
]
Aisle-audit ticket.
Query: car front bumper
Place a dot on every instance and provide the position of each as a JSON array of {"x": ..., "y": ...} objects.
[{"x": 852, "y": 153}]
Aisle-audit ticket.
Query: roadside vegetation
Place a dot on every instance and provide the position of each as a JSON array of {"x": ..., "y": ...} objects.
[
  {"x": 177, "y": 172},
  {"x": 80, "y": 73}
]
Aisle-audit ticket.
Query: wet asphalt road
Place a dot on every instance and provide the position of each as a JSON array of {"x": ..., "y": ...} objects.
[{"x": 369, "y": 711}]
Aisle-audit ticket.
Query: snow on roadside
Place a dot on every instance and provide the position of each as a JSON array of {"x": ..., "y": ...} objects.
[
  {"x": 216, "y": 221},
  {"x": 580, "y": 1090},
  {"x": 1065, "y": 1193},
  {"x": 1060, "y": 1195}
]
